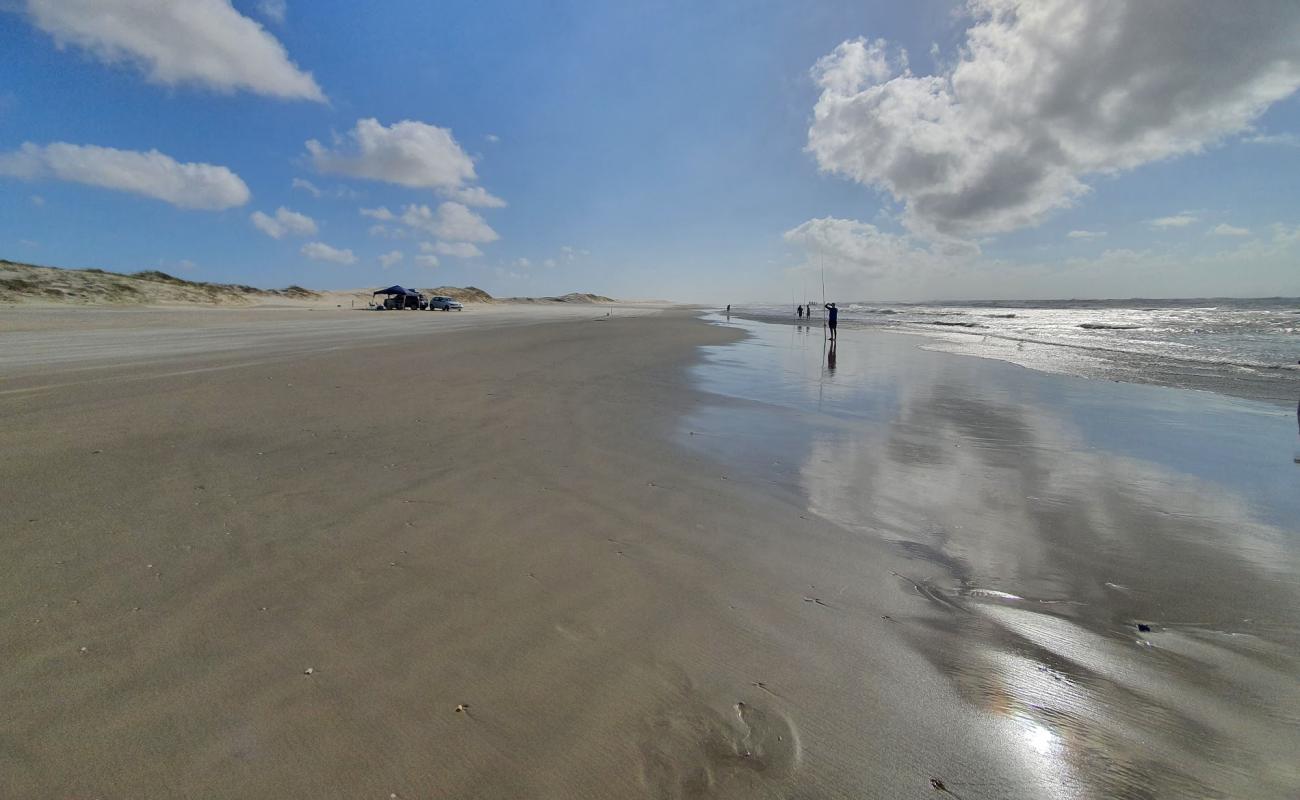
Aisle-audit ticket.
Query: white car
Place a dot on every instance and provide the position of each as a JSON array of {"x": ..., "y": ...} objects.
[{"x": 444, "y": 304}]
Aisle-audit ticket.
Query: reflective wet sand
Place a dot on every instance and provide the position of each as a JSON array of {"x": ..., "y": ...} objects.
[{"x": 1110, "y": 568}]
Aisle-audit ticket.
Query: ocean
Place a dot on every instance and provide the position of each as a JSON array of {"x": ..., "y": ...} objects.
[{"x": 1239, "y": 347}]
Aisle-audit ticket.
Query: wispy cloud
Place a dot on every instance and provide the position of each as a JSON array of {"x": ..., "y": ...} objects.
[
  {"x": 381, "y": 213},
  {"x": 319, "y": 251},
  {"x": 274, "y": 10},
  {"x": 475, "y": 196},
  {"x": 306, "y": 186},
  {"x": 453, "y": 249},
  {"x": 1175, "y": 221},
  {"x": 284, "y": 223},
  {"x": 1085, "y": 234},
  {"x": 1283, "y": 139},
  {"x": 1229, "y": 230}
]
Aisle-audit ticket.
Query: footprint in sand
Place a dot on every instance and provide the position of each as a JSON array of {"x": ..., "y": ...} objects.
[{"x": 697, "y": 752}]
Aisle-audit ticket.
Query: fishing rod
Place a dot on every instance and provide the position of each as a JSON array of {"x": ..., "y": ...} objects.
[{"x": 823, "y": 255}]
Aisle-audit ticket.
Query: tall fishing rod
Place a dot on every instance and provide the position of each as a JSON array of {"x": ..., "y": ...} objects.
[{"x": 823, "y": 255}]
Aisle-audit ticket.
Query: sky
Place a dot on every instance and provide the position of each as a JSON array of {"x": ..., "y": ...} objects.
[{"x": 712, "y": 152}]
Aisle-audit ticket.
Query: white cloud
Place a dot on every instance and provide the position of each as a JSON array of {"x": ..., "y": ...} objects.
[
  {"x": 381, "y": 213},
  {"x": 341, "y": 192},
  {"x": 1229, "y": 230},
  {"x": 475, "y": 196},
  {"x": 1043, "y": 95},
  {"x": 452, "y": 221},
  {"x": 454, "y": 249},
  {"x": 390, "y": 258},
  {"x": 550, "y": 262},
  {"x": 37, "y": 200},
  {"x": 387, "y": 232},
  {"x": 1085, "y": 234},
  {"x": 846, "y": 246},
  {"x": 274, "y": 10},
  {"x": 205, "y": 42},
  {"x": 427, "y": 260},
  {"x": 152, "y": 174},
  {"x": 319, "y": 251},
  {"x": 307, "y": 186},
  {"x": 408, "y": 153},
  {"x": 1176, "y": 221},
  {"x": 522, "y": 263},
  {"x": 285, "y": 222},
  {"x": 1284, "y": 139},
  {"x": 570, "y": 253},
  {"x": 491, "y": 138},
  {"x": 863, "y": 262}
]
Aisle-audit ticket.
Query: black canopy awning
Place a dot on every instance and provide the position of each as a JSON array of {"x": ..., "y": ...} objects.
[{"x": 395, "y": 290}]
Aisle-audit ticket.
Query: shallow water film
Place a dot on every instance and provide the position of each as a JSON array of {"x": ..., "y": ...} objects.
[{"x": 1110, "y": 567}]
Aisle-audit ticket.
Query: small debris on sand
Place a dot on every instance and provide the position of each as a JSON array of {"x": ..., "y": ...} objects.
[
  {"x": 309, "y": 671},
  {"x": 1145, "y": 628},
  {"x": 937, "y": 785},
  {"x": 462, "y": 708}
]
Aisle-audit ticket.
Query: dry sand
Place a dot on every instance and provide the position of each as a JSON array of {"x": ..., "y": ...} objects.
[
  {"x": 495, "y": 518},
  {"x": 377, "y": 555}
]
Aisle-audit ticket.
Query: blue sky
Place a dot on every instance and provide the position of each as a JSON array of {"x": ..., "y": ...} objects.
[{"x": 714, "y": 152}]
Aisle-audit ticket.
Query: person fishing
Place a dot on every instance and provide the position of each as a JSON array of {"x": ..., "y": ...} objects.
[{"x": 832, "y": 317}]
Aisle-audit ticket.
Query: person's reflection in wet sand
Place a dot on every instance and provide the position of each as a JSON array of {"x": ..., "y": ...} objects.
[{"x": 830, "y": 358}]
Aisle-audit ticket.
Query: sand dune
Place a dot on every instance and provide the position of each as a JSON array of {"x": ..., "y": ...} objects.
[{"x": 29, "y": 284}]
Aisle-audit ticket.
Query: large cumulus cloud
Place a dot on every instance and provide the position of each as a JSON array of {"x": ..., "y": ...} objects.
[{"x": 1044, "y": 94}]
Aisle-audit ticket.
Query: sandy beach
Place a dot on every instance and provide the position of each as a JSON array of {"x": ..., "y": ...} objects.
[{"x": 541, "y": 552}]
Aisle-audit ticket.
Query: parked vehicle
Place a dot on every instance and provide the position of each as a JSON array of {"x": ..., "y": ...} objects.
[{"x": 439, "y": 303}]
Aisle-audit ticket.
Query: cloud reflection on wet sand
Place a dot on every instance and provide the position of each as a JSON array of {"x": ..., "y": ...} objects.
[{"x": 1034, "y": 552}]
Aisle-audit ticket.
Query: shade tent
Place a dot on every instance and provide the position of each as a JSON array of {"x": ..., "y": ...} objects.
[
  {"x": 396, "y": 290},
  {"x": 399, "y": 297}
]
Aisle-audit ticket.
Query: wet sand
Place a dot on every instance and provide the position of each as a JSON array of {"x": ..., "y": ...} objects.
[
  {"x": 1111, "y": 567},
  {"x": 552, "y": 558}
]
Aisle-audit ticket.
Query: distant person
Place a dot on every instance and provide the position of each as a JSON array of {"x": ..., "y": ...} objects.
[
  {"x": 832, "y": 317},
  {"x": 728, "y": 309},
  {"x": 800, "y": 312}
]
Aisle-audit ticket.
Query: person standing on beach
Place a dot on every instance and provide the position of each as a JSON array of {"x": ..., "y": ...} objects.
[
  {"x": 832, "y": 316},
  {"x": 800, "y": 312}
]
